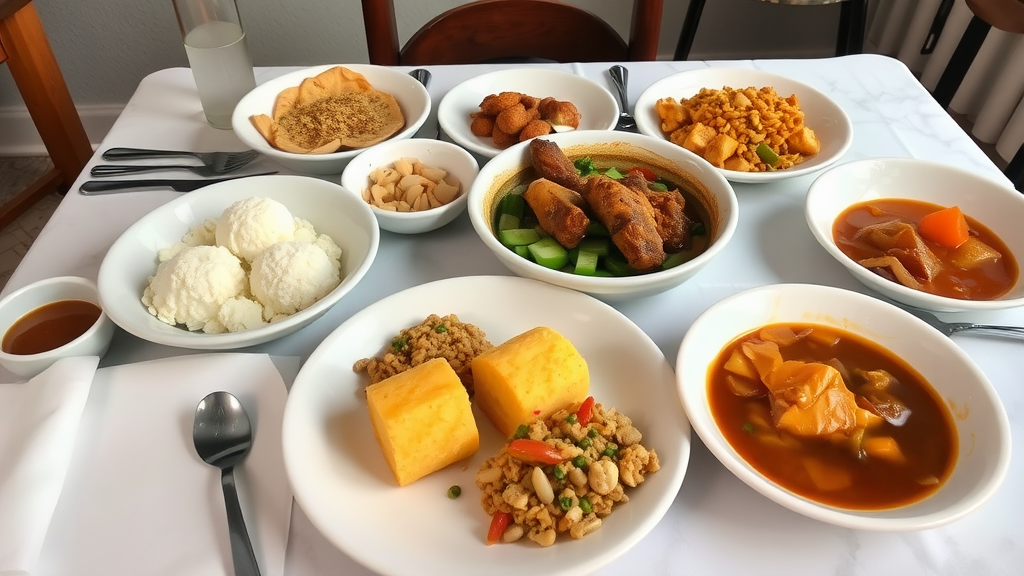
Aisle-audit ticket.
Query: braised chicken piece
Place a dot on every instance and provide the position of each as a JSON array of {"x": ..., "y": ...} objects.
[
  {"x": 550, "y": 162},
  {"x": 673, "y": 225},
  {"x": 559, "y": 211},
  {"x": 629, "y": 218}
]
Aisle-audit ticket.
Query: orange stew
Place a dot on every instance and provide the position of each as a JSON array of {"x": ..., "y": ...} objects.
[
  {"x": 886, "y": 237},
  {"x": 832, "y": 417}
]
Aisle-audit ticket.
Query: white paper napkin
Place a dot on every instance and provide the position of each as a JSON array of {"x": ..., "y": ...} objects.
[
  {"x": 139, "y": 500},
  {"x": 38, "y": 427}
]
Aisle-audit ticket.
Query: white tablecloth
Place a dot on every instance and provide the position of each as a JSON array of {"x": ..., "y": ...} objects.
[{"x": 717, "y": 525}]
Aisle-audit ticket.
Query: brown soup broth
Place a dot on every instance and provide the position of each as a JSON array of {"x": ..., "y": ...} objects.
[
  {"x": 928, "y": 438},
  {"x": 987, "y": 282},
  {"x": 49, "y": 326}
]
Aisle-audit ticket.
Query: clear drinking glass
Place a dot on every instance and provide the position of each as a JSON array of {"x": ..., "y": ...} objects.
[{"x": 218, "y": 55}]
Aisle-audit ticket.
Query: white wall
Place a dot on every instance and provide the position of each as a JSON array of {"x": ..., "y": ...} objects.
[{"x": 106, "y": 47}]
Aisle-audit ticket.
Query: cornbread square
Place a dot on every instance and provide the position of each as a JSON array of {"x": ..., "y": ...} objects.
[
  {"x": 422, "y": 419},
  {"x": 528, "y": 377}
]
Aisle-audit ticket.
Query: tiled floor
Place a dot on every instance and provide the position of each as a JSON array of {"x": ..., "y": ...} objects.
[{"x": 15, "y": 173}]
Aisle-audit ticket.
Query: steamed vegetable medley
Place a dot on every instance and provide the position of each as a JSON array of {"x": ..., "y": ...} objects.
[{"x": 592, "y": 220}]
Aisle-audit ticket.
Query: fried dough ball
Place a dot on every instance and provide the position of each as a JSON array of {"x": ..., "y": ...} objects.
[
  {"x": 533, "y": 129},
  {"x": 493, "y": 105},
  {"x": 512, "y": 119},
  {"x": 482, "y": 124},
  {"x": 503, "y": 139},
  {"x": 529, "y": 102},
  {"x": 563, "y": 113}
]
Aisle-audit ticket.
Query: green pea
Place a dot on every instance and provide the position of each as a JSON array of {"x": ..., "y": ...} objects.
[
  {"x": 559, "y": 473},
  {"x": 454, "y": 492},
  {"x": 586, "y": 506},
  {"x": 584, "y": 443},
  {"x": 592, "y": 433},
  {"x": 579, "y": 461},
  {"x": 522, "y": 431},
  {"x": 571, "y": 418},
  {"x": 565, "y": 503}
]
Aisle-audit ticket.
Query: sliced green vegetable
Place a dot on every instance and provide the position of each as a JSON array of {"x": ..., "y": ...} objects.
[
  {"x": 522, "y": 431},
  {"x": 767, "y": 155},
  {"x": 513, "y": 205},
  {"x": 518, "y": 236},
  {"x": 614, "y": 173},
  {"x": 549, "y": 253},
  {"x": 658, "y": 186},
  {"x": 618, "y": 266},
  {"x": 586, "y": 263},
  {"x": 698, "y": 229},
  {"x": 508, "y": 222},
  {"x": 600, "y": 246},
  {"x": 595, "y": 228},
  {"x": 522, "y": 251},
  {"x": 673, "y": 260},
  {"x": 440, "y": 329}
]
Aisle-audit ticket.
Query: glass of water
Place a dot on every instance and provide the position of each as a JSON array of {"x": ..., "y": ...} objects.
[{"x": 217, "y": 53}]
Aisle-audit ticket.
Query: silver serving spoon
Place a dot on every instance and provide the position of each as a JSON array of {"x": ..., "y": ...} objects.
[
  {"x": 423, "y": 76},
  {"x": 222, "y": 435},
  {"x": 620, "y": 76}
]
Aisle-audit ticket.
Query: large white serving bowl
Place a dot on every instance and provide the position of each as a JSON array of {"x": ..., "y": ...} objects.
[
  {"x": 994, "y": 204},
  {"x": 412, "y": 98},
  {"x": 822, "y": 114},
  {"x": 665, "y": 158},
  {"x": 981, "y": 422},
  {"x": 132, "y": 259},
  {"x": 597, "y": 107},
  {"x": 435, "y": 153}
]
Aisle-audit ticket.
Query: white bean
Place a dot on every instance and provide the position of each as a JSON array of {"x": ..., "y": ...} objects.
[{"x": 542, "y": 486}]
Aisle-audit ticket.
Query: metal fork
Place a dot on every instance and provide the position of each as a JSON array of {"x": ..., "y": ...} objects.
[
  {"x": 213, "y": 162},
  {"x": 620, "y": 76},
  {"x": 950, "y": 328}
]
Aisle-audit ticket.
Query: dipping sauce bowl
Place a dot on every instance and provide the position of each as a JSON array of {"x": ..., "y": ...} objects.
[{"x": 49, "y": 320}]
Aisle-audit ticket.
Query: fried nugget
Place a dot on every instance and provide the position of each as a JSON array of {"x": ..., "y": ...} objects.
[
  {"x": 503, "y": 139},
  {"x": 482, "y": 124},
  {"x": 513, "y": 119},
  {"x": 493, "y": 105},
  {"x": 534, "y": 129},
  {"x": 562, "y": 113}
]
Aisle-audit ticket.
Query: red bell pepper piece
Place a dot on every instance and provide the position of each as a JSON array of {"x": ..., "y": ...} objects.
[
  {"x": 535, "y": 451},
  {"x": 499, "y": 522},
  {"x": 585, "y": 411},
  {"x": 647, "y": 173}
]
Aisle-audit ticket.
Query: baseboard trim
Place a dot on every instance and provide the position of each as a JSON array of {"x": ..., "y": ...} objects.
[{"x": 18, "y": 135}]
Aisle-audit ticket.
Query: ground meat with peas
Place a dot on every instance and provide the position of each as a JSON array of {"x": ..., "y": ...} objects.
[
  {"x": 598, "y": 461},
  {"x": 435, "y": 337}
]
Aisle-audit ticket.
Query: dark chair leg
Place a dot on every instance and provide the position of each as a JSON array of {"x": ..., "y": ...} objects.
[
  {"x": 686, "y": 36},
  {"x": 961, "y": 61},
  {"x": 852, "y": 21},
  {"x": 1015, "y": 170}
]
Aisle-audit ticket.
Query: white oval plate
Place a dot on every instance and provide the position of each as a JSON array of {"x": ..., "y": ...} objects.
[
  {"x": 829, "y": 122},
  {"x": 341, "y": 480},
  {"x": 597, "y": 106}
]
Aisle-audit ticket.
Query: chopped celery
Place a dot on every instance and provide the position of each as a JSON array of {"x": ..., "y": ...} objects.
[
  {"x": 769, "y": 156},
  {"x": 573, "y": 254},
  {"x": 586, "y": 263},
  {"x": 549, "y": 253},
  {"x": 523, "y": 251},
  {"x": 518, "y": 236},
  {"x": 595, "y": 228},
  {"x": 599, "y": 246},
  {"x": 513, "y": 204},
  {"x": 673, "y": 260},
  {"x": 508, "y": 222},
  {"x": 602, "y": 273},
  {"x": 618, "y": 266}
]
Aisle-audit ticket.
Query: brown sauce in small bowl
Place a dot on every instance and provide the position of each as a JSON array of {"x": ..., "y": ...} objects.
[{"x": 49, "y": 326}]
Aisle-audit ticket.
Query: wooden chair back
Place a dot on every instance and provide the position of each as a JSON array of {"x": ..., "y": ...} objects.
[
  {"x": 493, "y": 30},
  {"x": 26, "y": 50}
]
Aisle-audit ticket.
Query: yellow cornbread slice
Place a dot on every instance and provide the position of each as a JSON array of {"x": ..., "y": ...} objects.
[
  {"x": 422, "y": 419},
  {"x": 529, "y": 377}
]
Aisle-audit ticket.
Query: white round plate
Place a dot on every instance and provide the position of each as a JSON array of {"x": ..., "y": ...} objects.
[
  {"x": 341, "y": 480},
  {"x": 596, "y": 105},
  {"x": 822, "y": 114}
]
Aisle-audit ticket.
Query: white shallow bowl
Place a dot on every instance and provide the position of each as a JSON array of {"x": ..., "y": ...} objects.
[
  {"x": 93, "y": 342},
  {"x": 719, "y": 199},
  {"x": 412, "y": 98},
  {"x": 596, "y": 105},
  {"x": 822, "y": 114},
  {"x": 981, "y": 425},
  {"x": 435, "y": 153},
  {"x": 132, "y": 259},
  {"x": 338, "y": 472},
  {"x": 994, "y": 204}
]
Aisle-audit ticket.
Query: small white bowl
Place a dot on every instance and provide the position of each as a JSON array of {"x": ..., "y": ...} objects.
[
  {"x": 435, "y": 153},
  {"x": 983, "y": 431},
  {"x": 93, "y": 342},
  {"x": 719, "y": 199},
  {"x": 822, "y": 114},
  {"x": 132, "y": 259},
  {"x": 598, "y": 108},
  {"x": 995, "y": 205},
  {"x": 412, "y": 98}
]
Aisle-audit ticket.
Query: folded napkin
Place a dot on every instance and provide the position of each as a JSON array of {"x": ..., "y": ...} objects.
[
  {"x": 139, "y": 500},
  {"x": 38, "y": 428}
]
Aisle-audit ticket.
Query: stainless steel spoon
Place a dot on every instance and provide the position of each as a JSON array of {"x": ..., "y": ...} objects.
[
  {"x": 222, "y": 435},
  {"x": 620, "y": 77},
  {"x": 422, "y": 75}
]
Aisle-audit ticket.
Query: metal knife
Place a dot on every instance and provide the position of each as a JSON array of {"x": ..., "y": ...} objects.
[{"x": 97, "y": 187}]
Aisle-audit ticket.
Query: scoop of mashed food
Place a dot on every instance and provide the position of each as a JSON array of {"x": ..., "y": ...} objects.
[
  {"x": 288, "y": 277},
  {"x": 249, "y": 226},
  {"x": 193, "y": 287}
]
